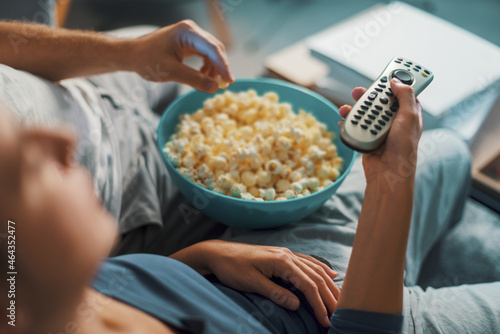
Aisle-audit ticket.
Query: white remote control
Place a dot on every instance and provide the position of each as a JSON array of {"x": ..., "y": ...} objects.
[{"x": 367, "y": 124}]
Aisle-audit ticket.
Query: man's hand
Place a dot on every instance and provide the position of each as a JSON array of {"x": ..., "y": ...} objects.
[
  {"x": 158, "y": 56},
  {"x": 58, "y": 54},
  {"x": 402, "y": 141},
  {"x": 249, "y": 268}
]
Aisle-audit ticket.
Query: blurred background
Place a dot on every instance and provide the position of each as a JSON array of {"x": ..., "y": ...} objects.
[{"x": 259, "y": 28}]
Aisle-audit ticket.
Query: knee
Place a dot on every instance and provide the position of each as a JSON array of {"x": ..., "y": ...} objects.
[
  {"x": 446, "y": 148},
  {"x": 445, "y": 155}
]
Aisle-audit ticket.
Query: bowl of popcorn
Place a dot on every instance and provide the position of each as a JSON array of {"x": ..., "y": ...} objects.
[{"x": 260, "y": 154}]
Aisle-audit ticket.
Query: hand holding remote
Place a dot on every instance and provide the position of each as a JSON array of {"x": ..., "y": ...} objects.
[
  {"x": 402, "y": 140},
  {"x": 367, "y": 127}
]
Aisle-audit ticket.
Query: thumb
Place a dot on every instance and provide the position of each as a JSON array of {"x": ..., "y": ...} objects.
[
  {"x": 279, "y": 295},
  {"x": 404, "y": 94},
  {"x": 195, "y": 79}
]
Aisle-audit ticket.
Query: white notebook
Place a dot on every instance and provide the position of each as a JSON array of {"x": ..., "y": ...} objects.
[{"x": 462, "y": 62}]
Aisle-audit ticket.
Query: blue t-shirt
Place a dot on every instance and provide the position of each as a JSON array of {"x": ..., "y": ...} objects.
[{"x": 178, "y": 296}]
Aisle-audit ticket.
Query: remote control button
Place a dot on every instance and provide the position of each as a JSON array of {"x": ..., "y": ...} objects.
[
  {"x": 389, "y": 93},
  {"x": 373, "y": 132},
  {"x": 354, "y": 122},
  {"x": 397, "y": 61},
  {"x": 426, "y": 71},
  {"x": 367, "y": 121},
  {"x": 368, "y": 103},
  {"x": 380, "y": 90},
  {"x": 425, "y": 74},
  {"x": 383, "y": 79},
  {"x": 395, "y": 107},
  {"x": 400, "y": 59},
  {"x": 372, "y": 96},
  {"x": 378, "y": 127},
  {"x": 385, "y": 118},
  {"x": 381, "y": 122},
  {"x": 382, "y": 86},
  {"x": 403, "y": 76},
  {"x": 384, "y": 100},
  {"x": 364, "y": 107},
  {"x": 409, "y": 62},
  {"x": 357, "y": 117},
  {"x": 418, "y": 66},
  {"x": 371, "y": 117},
  {"x": 416, "y": 69},
  {"x": 387, "y": 112},
  {"x": 364, "y": 127},
  {"x": 375, "y": 112},
  {"x": 407, "y": 65},
  {"x": 378, "y": 107},
  {"x": 361, "y": 112}
]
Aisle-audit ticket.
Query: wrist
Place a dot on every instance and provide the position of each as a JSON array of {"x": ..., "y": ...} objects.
[
  {"x": 127, "y": 54},
  {"x": 196, "y": 256}
]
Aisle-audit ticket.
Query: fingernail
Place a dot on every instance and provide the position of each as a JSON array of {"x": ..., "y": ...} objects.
[
  {"x": 327, "y": 321},
  {"x": 396, "y": 80},
  {"x": 292, "y": 303}
]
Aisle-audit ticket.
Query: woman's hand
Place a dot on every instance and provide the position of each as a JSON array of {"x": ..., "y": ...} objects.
[
  {"x": 249, "y": 268},
  {"x": 159, "y": 56},
  {"x": 400, "y": 148}
]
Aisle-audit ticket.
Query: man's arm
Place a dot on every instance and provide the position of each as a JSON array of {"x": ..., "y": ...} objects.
[
  {"x": 58, "y": 54},
  {"x": 374, "y": 278}
]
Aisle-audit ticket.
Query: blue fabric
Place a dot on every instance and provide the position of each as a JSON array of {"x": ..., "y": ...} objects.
[
  {"x": 177, "y": 295},
  {"x": 173, "y": 293},
  {"x": 358, "y": 322}
]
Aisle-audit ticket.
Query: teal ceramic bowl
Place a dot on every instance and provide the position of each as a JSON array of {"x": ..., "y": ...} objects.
[{"x": 248, "y": 214}]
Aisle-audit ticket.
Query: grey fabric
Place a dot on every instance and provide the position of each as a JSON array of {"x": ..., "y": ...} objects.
[
  {"x": 469, "y": 253},
  {"x": 38, "y": 102},
  {"x": 39, "y": 11}
]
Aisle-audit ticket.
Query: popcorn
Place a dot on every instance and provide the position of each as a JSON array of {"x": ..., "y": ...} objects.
[
  {"x": 249, "y": 179},
  {"x": 237, "y": 189},
  {"x": 289, "y": 194},
  {"x": 296, "y": 187},
  {"x": 203, "y": 171},
  {"x": 282, "y": 185},
  {"x": 268, "y": 194},
  {"x": 273, "y": 166},
  {"x": 224, "y": 181},
  {"x": 223, "y": 84},
  {"x": 219, "y": 162},
  {"x": 313, "y": 182},
  {"x": 263, "y": 178},
  {"x": 255, "y": 148}
]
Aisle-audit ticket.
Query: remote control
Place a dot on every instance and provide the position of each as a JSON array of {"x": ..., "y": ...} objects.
[{"x": 367, "y": 124}]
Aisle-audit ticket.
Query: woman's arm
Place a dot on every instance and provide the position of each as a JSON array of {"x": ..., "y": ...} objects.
[
  {"x": 374, "y": 278},
  {"x": 57, "y": 54}
]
